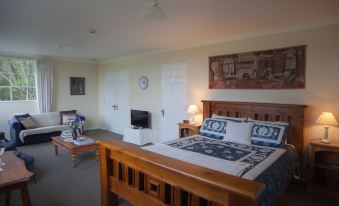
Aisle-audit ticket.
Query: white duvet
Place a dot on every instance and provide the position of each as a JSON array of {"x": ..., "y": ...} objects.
[
  {"x": 235, "y": 168},
  {"x": 224, "y": 166}
]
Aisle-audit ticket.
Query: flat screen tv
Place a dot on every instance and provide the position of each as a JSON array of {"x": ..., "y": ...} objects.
[{"x": 140, "y": 118}]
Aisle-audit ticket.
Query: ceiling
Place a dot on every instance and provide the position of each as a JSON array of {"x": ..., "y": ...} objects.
[{"x": 39, "y": 27}]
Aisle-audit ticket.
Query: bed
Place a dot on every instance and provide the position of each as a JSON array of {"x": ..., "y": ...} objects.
[{"x": 145, "y": 177}]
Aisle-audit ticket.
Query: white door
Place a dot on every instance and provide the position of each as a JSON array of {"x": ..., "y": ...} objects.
[
  {"x": 109, "y": 99},
  {"x": 173, "y": 100},
  {"x": 122, "y": 111},
  {"x": 116, "y": 101}
]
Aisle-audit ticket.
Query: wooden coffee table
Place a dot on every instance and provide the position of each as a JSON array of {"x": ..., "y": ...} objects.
[
  {"x": 15, "y": 176},
  {"x": 73, "y": 148}
]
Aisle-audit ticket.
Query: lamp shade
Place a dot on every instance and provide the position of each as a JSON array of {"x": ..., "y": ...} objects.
[
  {"x": 192, "y": 109},
  {"x": 326, "y": 118}
]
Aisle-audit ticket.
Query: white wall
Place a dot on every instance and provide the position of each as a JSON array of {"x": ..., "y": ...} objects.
[
  {"x": 322, "y": 73},
  {"x": 87, "y": 104}
]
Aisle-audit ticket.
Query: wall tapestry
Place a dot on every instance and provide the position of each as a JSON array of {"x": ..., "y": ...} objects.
[
  {"x": 269, "y": 69},
  {"x": 77, "y": 86}
]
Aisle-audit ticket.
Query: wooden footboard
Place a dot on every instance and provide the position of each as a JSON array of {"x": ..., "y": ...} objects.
[{"x": 145, "y": 178}]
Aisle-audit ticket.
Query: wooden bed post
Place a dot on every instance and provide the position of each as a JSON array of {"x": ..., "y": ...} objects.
[{"x": 106, "y": 169}]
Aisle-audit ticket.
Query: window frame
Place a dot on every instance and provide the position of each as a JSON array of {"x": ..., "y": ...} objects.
[{"x": 27, "y": 86}]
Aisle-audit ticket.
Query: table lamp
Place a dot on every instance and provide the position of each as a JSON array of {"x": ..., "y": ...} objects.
[
  {"x": 327, "y": 119},
  {"x": 193, "y": 109}
]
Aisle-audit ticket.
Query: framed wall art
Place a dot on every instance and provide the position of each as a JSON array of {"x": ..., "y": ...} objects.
[
  {"x": 77, "y": 85},
  {"x": 282, "y": 68}
]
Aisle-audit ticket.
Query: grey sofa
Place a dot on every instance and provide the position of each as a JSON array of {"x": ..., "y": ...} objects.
[{"x": 48, "y": 125}]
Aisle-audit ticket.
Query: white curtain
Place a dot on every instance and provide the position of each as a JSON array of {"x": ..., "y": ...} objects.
[{"x": 44, "y": 69}]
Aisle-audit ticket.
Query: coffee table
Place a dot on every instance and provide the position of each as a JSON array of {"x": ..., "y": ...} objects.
[
  {"x": 73, "y": 148},
  {"x": 15, "y": 176}
]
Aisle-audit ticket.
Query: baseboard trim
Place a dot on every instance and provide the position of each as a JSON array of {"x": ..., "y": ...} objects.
[{"x": 92, "y": 128}]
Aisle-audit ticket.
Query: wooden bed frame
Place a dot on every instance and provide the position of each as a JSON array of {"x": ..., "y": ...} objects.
[{"x": 145, "y": 178}]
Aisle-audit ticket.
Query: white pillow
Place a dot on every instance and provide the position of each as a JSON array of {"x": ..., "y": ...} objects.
[
  {"x": 239, "y": 132},
  {"x": 238, "y": 119}
]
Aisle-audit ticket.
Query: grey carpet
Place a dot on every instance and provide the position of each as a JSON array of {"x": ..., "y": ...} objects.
[{"x": 59, "y": 184}]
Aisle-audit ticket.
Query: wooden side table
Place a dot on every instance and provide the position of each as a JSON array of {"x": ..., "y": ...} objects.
[
  {"x": 186, "y": 130},
  {"x": 324, "y": 167},
  {"x": 15, "y": 176}
]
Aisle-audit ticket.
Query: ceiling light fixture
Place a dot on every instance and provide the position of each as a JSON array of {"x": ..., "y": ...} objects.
[
  {"x": 60, "y": 49},
  {"x": 155, "y": 12},
  {"x": 92, "y": 31}
]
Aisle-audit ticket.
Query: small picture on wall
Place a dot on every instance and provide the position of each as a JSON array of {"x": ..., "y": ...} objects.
[{"x": 77, "y": 85}]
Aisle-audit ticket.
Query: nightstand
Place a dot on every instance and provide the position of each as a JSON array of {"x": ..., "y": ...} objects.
[
  {"x": 186, "y": 129},
  {"x": 324, "y": 167}
]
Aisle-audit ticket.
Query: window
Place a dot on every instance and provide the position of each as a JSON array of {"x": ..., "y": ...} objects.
[{"x": 17, "y": 79}]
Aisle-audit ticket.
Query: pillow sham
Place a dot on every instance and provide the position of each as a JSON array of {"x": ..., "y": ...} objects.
[
  {"x": 239, "y": 132},
  {"x": 272, "y": 134},
  {"x": 214, "y": 128}
]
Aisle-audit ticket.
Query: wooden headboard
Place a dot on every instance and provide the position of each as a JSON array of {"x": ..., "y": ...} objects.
[{"x": 294, "y": 114}]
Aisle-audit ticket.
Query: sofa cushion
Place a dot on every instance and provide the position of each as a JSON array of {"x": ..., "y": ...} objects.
[
  {"x": 68, "y": 113},
  {"x": 46, "y": 119},
  {"x": 41, "y": 130},
  {"x": 27, "y": 122}
]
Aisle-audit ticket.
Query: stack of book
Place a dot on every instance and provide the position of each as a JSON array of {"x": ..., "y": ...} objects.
[{"x": 66, "y": 134}]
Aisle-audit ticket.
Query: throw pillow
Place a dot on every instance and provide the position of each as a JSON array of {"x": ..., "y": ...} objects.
[
  {"x": 27, "y": 122},
  {"x": 22, "y": 115},
  {"x": 66, "y": 118},
  {"x": 239, "y": 132},
  {"x": 69, "y": 112}
]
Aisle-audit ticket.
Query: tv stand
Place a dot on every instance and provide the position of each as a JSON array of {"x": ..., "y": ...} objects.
[{"x": 137, "y": 135}]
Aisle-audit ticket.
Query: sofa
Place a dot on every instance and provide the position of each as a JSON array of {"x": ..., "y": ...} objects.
[{"x": 47, "y": 125}]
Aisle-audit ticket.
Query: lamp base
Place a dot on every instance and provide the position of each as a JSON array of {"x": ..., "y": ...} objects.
[
  {"x": 326, "y": 141},
  {"x": 325, "y": 138}
]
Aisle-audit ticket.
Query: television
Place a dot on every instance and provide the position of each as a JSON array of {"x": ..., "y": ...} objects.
[{"x": 140, "y": 119}]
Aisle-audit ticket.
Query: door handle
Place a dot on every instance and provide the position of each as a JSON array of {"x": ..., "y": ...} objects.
[
  {"x": 163, "y": 112},
  {"x": 114, "y": 107}
]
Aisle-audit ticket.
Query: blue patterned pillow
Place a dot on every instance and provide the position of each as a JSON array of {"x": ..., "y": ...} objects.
[
  {"x": 272, "y": 134},
  {"x": 214, "y": 128}
]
